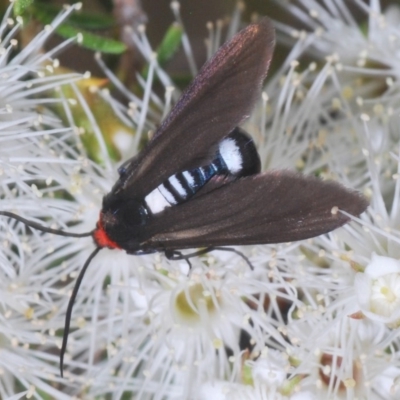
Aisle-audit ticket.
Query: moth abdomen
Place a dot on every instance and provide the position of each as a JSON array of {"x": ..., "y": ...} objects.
[
  {"x": 239, "y": 154},
  {"x": 236, "y": 157}
]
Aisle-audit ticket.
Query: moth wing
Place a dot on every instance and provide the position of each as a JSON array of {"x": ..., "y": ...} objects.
[
  {"x": 274, "y": 207},
  {"x": 220, "y": 98}
]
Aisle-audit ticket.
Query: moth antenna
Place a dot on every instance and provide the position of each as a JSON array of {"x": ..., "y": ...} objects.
[
  {"x": 70, "y": 306},
  {"x": 42, "y": 228}
]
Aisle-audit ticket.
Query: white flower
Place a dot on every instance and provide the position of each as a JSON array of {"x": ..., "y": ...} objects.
[
  {"x": 378, "y": 289},
  {"x": 29, "y": 134},
  {"x": 147, "y": 327},
  {"x": 187, "y": 328},
  {"x": 264, "y": 378}
]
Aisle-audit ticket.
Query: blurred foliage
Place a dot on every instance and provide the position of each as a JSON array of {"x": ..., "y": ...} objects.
[
  {"x": 168, "y": 47},
  {"x": 21, "y": 6},
  {"x": 80, "y": 19},
  {"x": 77, "y": 24},
  {"x": 90, "y": 40}
]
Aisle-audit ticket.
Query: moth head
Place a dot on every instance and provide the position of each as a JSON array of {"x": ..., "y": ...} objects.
[{"x": 120, "y": 223}]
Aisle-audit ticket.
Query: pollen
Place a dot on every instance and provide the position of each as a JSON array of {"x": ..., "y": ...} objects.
[
  {"x": 29, "y": 313},
  {"x": 217, "y": 343},
  {"x": 189, "y": 305},
  {"x": 385, "y": 297}
]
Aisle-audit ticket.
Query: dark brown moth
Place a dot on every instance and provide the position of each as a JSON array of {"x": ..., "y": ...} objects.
[{"x": 198, "y": 184}]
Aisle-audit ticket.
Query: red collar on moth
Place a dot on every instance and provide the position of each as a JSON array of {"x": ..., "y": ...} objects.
[{"x": 101, "y": 238}]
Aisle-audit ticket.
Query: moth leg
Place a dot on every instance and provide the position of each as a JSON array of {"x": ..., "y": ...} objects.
[
  {"x": 177, "y": 255},
  {"x": 239, "y": 253}
]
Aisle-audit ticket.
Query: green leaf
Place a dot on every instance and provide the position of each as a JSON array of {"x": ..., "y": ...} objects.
[
  {"x": 80, "y": 19},
  {"x": 92, "y": 21},
  {"x": 89, "y": 40},
  {"x": 168, "y": 47},
  {"x": 92, "y": 41},
  {"x": 170, "y": 44},
  {"x": 20, "y": 6}
]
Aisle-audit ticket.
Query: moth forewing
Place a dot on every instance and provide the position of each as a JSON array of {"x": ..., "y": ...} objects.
[{"x": 221, "y": 96}]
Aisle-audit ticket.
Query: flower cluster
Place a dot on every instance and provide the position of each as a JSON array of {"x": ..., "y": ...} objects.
[{"x": 313, "y": 319}]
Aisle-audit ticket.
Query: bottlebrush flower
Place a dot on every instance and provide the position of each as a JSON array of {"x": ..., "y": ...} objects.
[
  {"x": 147, "y": 327},
  {"x": 377, "y": 289}
]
